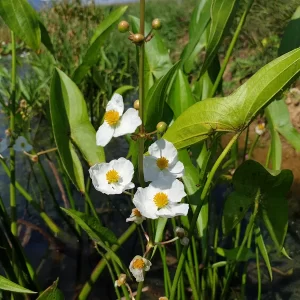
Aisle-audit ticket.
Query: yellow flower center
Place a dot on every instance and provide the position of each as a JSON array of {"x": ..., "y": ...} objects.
[
  {"x": 161, "y": 200},
  {"x": 261, "y": 126},
  {"x": 112, "y": 117},
  {"x": 162, "y": 163},
  {"x": 138, "y": 263},
  {"x": 136, "y": 212},
  {"x": 112, "y": 176}
]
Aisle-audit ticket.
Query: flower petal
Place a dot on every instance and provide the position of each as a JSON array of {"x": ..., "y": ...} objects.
[
  {"x": 3, "y": 145},
  {"x": 144, "y": 203},
  {"x": 128, "y": 123},
  {"x": 27, "y": 147},
  {"x": 104, "y": 134},
  {"x": 151, "y": 170},
  {"x": 178, "y": 169},
  {"x": 173, "y": 210},
  {"x": 176, "y": 193},
  {"x": 163, "y": 148},
  {"x": 116, "y": 103},
  {"x": 125, "y": 169}
]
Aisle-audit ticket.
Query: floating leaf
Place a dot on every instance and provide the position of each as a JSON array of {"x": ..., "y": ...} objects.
[
  {"x": 235, "y": 112},
  {"x": 52, "y": 292},
  {"x": 7, "y": 285},
  {"x": 99, "y": 38},
  {"x": 71, "y": 124},
  {"x": 22, "y": 19}
]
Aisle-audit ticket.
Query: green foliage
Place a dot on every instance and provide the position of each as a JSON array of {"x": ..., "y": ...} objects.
[
  {"x": 52, "y": 292},
  {"x": 205, "y": 118},
  {"x": 8, "y": 285}
]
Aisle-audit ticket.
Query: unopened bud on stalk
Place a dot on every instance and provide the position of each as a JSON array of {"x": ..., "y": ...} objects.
[
  {"x": 123, "y": 26},
  {"x": 180, "y": 232},
  {"x": 136, "y": 104},
  {"x": 34, "y": 158},
  {"x": 161, "y": 127},
  {"x": 137, "y": 38},
  {"x": 23, "y": 103},
  {"x": 156, "y": 24}
]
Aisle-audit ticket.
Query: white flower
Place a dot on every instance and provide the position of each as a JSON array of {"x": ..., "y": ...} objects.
[
  {"x": 3, "y": 145},
  {"x": 137, "y": 267},
  {"x": 136, "y": 217},
  {"x": 260, "y": 128},
  {"x": 113, "y": 177},
  {"x": 162, "y": 161},
  {"x": 22, "y": 145},
  {"x": 115, "y": 123},
  {"x": 161, "y": 199},
  {"x": 121, "y": 280}
]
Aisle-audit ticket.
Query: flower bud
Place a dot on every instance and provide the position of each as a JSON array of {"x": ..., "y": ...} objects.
[
  {"x": 8, "y": 132},
  {"x": 161, "y": 127},
  {"x": 136, "y": 104},
  {"x": 156, "y": 24},
  {"x": 184, "y": 241},
  {"x": 138, "y": 38},
  {"x": 123, "y": 26},
  {"x": 34, "y": 158},
  {"x": 180, "y": 232},
  {"x": 23, "y": 103},
  {"x": 121, "y": 280}
]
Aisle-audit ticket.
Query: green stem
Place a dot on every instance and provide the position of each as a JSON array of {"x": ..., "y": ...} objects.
[
  {"x": 191, "y": 281},
  {"x": 197, "y": 212},
  {"x": 258, "y": 271},
  {"x": 12, "y": 186},
  {"x": 84, "y": 293},
  {"x": 246, "y": 144},
  {"x": 230, "y": 49},
  {"x": 253, "y": 146},
  {"x": 268, "y": 157},
  {"x": 141, "y": 94}
]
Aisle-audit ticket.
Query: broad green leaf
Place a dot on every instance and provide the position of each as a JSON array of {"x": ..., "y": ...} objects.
[
  {"x": 231, "y": 254},
  {"x": 291, "y": 37},
  {"x": 7, "y": 285},
  {"x": 71, "y": 123},
  {"x": 276, "y": 147},
  {"x": 46, "y": 40},
  {"x": 263, "y": 251},
  {"x": 156, "y": 53},
  {"x": 155, "y": 100},
  {"x": 274, "y": 186},
  {"x": 180, "y": 97},
  {"x": 99, "y": 38},
  {"x": 52, "y": 292},
  {"x": 91, "y": 226},
  {"x": 222, "y": 15},
  {"x": 234, "y": 112},
  {"x": 22, "y": 19},
  {"x": 198, "y": 24}
]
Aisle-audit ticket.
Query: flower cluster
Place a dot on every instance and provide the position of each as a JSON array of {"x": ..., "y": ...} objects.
[{"x": 162, "y": 197}]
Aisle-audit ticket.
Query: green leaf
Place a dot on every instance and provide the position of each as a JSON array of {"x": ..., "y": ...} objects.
[
  {"x": 155, "y": 100},
  {"x": 156, "y": 53},
  {"x": 180, "y": 97},
  {"x": 198, "y": 24},
  {"x": 22, "y": 19},
  {"x": 7, "y": 285},
  {"x": 99, "y": 38},
  {"x": 91, "y": 226},
  {"x": 51, "y": 293},
  {"x": 71, "y": 125},
  {"x": 291, "y": 37},
  {"x": 276, "y": 147},
  {"x": 262, "y": 248},
  {"x": 231, "y": 254},
  {"x": 46, "y": 40},
  {"x": 273, "y": 206},
  {"x": 234, "y": 112},
  {"x": 280, "y": 115},
  {"x": 222, "y": 15}
]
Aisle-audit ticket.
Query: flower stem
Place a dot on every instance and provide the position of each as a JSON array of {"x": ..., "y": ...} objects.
[
  {"x": 12, "y": 186},
  {"x": 253, "y": 146},
  {"x": 197, "y": 212},
  {"x": 141, "y": 94}
]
